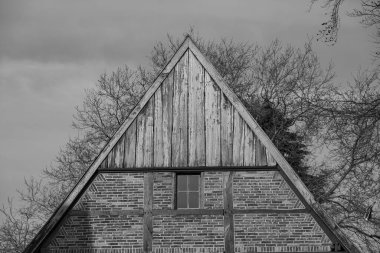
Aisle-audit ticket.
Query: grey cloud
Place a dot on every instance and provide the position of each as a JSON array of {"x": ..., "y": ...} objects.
[{"x": 62, "y": 31}]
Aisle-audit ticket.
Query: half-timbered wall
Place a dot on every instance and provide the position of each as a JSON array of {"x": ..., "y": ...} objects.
[
  {"x": 266, "y": 214},
  {"x": 188, "y": 122}
]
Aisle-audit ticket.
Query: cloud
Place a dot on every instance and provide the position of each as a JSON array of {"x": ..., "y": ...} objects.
[{"x": 64, "y": 31}]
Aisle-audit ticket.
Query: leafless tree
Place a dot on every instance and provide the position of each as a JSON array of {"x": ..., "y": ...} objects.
[
  {"x": 369, "y": 15},
  {"x": 352, "y": 137},
  {"x": 18, "y": 228}
]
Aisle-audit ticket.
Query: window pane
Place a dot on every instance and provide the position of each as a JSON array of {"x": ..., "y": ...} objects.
[
  {"x": 181, "y": 182},
  {"x": 193, "y": 199},
  {"x": 182, "y": 200},
  {"x": 193, "y": 182}
]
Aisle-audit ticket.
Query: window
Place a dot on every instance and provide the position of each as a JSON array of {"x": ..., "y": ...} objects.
[{"x": 188, "y": 186}]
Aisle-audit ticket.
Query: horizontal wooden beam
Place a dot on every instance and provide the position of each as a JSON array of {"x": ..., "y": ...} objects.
[
  {"x": 106, "y": 213},
  {"x": 140, "y": 212},
  {"x": 296, "y": 252},
  {"x": 264, "y": 211},
  {"x": 188, "y": 169},
  {"x": 189, "y": 212}
]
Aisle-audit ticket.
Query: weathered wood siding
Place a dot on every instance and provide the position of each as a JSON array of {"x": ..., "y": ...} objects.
[{"x": 188, "y": 122}]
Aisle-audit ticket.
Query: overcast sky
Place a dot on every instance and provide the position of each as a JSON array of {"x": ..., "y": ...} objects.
[{"x": 50, "y": 51}]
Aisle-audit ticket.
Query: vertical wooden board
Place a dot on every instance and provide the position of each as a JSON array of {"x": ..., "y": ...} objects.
[
  {"x": 104, "y": 164},
  {"x": 202, "y": 191},
  {"x": 130, "y": 146},
  {"x": 140, "y": 137},
  {"x": 148, "y": 138},
  {"x": 180, "y": 93},
  {"x": 148, "y": 207},
  {"x": 111, "y": 159},
  {"x": 261, "y": 156},
  {"x": 212, "y": 116},
  {"x": 158, "y": 129},
  {"x": 144, "y": 142},
  {"x": 119, "y": 152},
  {"x": 249, "y": 146},
  {"x": 238, "y": 142},
  {"x": 167, "y": 107},
  {"x": 196, "y": 113},
  {"x": 227, "y": 121}
]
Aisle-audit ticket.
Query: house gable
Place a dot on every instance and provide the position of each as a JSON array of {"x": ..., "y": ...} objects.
[
  {"x": 189, "y": 118},
  {"x": 188, "y": 122}
]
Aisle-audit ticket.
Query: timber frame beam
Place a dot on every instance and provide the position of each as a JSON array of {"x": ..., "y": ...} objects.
[
  {"x": 187, "y": 169},
  {"x": 155, "y": 212}
]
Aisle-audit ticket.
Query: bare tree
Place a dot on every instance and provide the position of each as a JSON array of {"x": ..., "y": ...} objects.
[
  {"x": 106, "y": 106},
  {"x": 352, "y": 137},
  {"x": 18, "y": 228},
  {"x": 369, "y": 15}
]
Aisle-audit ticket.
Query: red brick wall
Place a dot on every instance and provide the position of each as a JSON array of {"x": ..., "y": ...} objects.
[
  {"x": 102, "y": 220},
  {"x": 279, "y": 232},
  {"x": 265, "y": 190},
  {"x": 97, "y": 223},
  {"x": 163, "y": 190},
  {"x": 188, "y": 231},
  {"x": 111, "y": 192},
  {"x": 99, "y": 231},
  {"x": 273, "y": 232},
  {"x": 213, "y": 190}
]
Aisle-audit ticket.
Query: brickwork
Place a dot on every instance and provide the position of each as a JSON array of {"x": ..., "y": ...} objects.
[
  {"x": 103, "y": 222},
  {"x": 155, "y": 250},
  {"x": 108, "y": 193},
  {"x": 163, "y": 190},
  {"x": 93, "y": 250},
  {"x": 187, "y": 231},
  {"x": 213, "y": 190},
  {"x": 279, "y": 232},
  {"x": 103, "y": 231},
  {"x": 263, "y": 190},
  {"x": 111, "y": 192}
]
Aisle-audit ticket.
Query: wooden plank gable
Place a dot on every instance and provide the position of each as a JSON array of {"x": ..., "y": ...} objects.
[{"x": 189, "y": 122}]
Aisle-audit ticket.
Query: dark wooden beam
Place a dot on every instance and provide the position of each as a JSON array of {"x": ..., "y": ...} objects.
[
  {"x": 229, "y": 242},
  {"x": 188, "y": 212},
  {"x": 183, "y": 212},
  {"x": 188, "y": 169},
  {"x": 298, "y": 252},
  {"x": 247, "y": 211},
  {"x": 52, "y": 235},
  {"x": 148, "y": 208},
  {"x": 110, "y": 213}
]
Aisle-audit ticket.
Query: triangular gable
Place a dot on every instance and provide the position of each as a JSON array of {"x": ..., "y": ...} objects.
[
  {"x": 207, "y": 87},
  {"x": 188, "y": 121}
]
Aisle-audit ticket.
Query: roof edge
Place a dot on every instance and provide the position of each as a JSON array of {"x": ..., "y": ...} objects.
[
  {"x": 71, "y": 197},
  {"x": 278, "y": 157}
]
